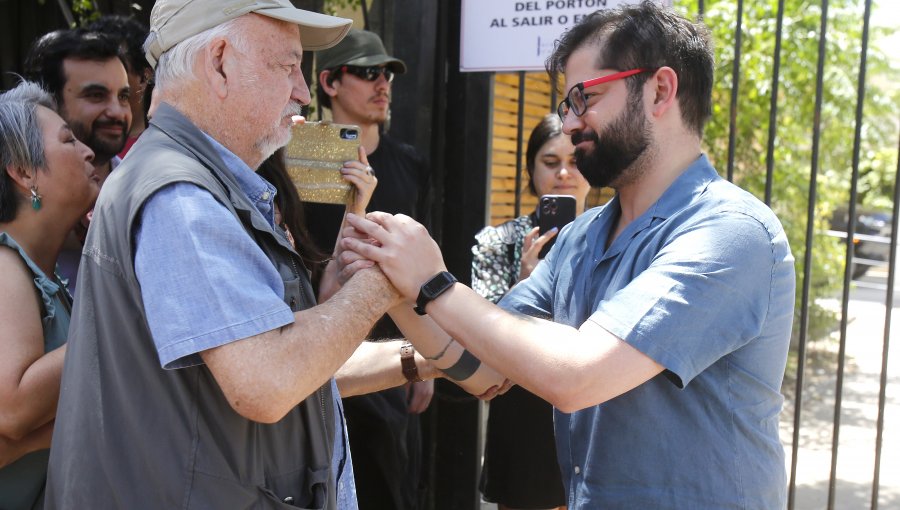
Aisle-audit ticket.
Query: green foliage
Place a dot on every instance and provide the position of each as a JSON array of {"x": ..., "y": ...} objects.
[
  {"x": 85, "y": 12},
  {"x": 332, "y": 6},
  {"x": 795, "y": 120}
]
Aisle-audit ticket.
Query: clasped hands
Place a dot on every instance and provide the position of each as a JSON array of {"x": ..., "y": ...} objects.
[
  {"x": 408, "y": 257},
  {"x": 400, "y": 246}
]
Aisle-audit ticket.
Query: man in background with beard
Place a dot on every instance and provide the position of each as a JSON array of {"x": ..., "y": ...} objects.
[
  {"x": 85, "y": 72},
  {"x": 669, "y": 308}
]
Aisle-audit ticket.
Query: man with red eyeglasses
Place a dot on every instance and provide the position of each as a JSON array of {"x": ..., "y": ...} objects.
[
  {"x": 385, "y": 440},
  {"x": 659, "y": 324}
]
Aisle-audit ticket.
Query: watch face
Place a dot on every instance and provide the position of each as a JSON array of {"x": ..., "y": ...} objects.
[
  {"x": 432, "y": 289},
  {"x": 438, "y": 283}
]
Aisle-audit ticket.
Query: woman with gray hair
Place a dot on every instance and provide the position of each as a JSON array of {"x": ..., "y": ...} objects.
[{"x": 47, "y": 183}]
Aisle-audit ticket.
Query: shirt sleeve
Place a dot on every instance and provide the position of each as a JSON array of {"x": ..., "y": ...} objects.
[
  {"x": 705, "y": 294},
  {"x": 204, "y": 281}
]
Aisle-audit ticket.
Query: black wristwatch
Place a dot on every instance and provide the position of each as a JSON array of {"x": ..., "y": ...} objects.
[{"x": 437, "y": 285}]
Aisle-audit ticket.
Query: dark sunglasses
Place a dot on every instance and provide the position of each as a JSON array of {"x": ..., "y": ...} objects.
[{"x": 370, "y": 73}]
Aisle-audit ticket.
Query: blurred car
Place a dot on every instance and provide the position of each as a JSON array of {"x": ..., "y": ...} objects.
[{"x": 872, "y": 239}]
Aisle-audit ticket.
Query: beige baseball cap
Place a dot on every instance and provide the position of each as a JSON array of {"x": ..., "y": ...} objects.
[{"x": 173, "y": 21}]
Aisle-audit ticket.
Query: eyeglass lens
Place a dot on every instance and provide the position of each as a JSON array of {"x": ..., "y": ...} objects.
[{"x": 575, "y": 101}]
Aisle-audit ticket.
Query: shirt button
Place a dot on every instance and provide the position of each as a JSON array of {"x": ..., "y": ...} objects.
[
  {"x": 577, "y": 470},
  {"x": 265, "y": 195}
]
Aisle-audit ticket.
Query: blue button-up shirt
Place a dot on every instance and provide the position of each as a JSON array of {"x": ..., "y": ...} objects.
[
  {"x": 183, "y": 228},
  {"x": 702, "y": 283}
]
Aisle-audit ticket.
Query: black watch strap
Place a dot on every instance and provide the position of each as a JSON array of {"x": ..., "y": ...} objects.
[{"x": 437, "y": 285}]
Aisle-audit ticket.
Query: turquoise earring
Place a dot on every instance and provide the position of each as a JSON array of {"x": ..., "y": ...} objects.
[{"x": 35, "y": 199}]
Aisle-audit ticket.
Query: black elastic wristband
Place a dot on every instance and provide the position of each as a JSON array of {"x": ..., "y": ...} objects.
[{"x": 464, "y": 367}]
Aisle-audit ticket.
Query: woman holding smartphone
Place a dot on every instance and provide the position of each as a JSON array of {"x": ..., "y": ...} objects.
[{"x": 512, "y": 476}]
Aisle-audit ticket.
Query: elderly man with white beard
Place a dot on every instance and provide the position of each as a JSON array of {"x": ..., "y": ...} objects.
[{"x": 201, "y": 370}]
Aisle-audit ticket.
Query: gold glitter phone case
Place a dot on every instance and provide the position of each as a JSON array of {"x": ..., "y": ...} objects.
[{"x": 314, "y": 158}]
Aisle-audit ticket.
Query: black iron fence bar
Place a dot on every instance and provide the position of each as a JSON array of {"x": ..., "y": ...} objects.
[
  {"x": 519, "y": 136},
  {"x": 845, "y": 297},
  {"x": 365, "y": 13},
  {"x": 848, "y": 267},
  {"x": 554, "y": 99},
  {"x": 773, "y": 105},
  {"x": 807, "y": 256},
  {"x": 886, "y": 345},
  {"x": 735, "y": 86}
]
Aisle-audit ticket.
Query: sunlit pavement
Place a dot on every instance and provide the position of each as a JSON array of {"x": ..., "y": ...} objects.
[{"x": 859, "y": 408}]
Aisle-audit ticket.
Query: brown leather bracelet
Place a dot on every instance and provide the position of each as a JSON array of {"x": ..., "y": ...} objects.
[{"x": 408, "y": 362}]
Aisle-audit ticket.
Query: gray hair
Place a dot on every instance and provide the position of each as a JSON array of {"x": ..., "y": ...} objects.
[
  {"x": 21, "y": 138},
  {"x": 177, "y": 64}
]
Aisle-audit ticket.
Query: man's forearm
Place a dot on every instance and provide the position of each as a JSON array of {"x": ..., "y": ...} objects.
[
  {"x": 265, "y": 376},
  {"x": 375, "y": 366},
  {"x": 444, "y": 353},
  {"x": 570, "y": 368}
]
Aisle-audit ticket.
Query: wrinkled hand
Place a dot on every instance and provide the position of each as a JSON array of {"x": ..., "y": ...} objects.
[
  {"x": 374, "y": 281},
  {"x": 418, "y": 396},
  {"x": 349, "y": 262},
  {"x": 531, "y": 248},
  {"x": 494, "y": 391},
  {"x": 403, "y": 249},
  {"x": 335, "y": 276},
  {"x": 361, "y": 176}
]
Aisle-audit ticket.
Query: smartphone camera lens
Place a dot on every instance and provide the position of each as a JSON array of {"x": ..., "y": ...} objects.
[
  {"x": 349, "y": 134},
  {"x": 549, "y": 206}
]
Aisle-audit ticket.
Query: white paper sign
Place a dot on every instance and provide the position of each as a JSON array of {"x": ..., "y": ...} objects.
[{"x": 518, "y": 35}]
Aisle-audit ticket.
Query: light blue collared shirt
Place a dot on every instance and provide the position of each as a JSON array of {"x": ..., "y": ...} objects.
[
  {"x": 703, "y": 284},
  {"x": 183, "y": 229}
]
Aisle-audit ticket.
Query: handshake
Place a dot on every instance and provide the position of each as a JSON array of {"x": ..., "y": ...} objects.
[
  {"x": 397, "y": 253},
  {"x": 398, "y": 245}
]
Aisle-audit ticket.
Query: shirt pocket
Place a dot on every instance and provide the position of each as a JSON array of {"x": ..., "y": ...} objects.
[
  {"x": 298, "y": 293},
  {"x": 306, "y": 488}
]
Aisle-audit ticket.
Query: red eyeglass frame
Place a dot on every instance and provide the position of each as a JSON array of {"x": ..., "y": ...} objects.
[{"x": 590, "y": 83}]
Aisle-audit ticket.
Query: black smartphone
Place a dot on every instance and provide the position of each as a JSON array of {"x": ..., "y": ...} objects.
[{"x": 554, "y": 211}]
